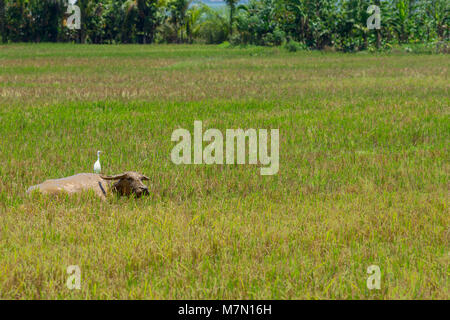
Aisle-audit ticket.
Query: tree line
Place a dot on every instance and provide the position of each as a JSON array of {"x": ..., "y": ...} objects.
[{"x": 317, "y": 24}]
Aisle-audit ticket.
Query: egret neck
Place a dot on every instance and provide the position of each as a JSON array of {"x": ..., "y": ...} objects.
[{"x": 97, "y": 166}]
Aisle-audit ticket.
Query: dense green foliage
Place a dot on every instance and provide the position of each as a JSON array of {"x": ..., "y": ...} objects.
[{"x": 314, "y": 24}]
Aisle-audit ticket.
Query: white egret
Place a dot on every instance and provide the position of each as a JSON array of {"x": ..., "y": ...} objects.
[{"x": 97, "y": 166}]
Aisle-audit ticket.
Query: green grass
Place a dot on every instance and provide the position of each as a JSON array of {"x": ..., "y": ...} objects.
[{"x": 363, "y": 180}]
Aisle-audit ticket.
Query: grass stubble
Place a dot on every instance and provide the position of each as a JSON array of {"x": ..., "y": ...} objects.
[{"x": 363, "y": 177}]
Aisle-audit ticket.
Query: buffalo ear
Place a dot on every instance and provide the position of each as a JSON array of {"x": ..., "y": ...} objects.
[
  {"x": 145, "y": 178},
  {"x": 116, "y": 177}
]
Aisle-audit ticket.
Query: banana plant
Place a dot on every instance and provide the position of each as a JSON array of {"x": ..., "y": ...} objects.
[{"x": 438, "y": 12}]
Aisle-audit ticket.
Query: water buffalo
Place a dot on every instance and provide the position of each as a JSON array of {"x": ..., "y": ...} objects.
[{"x": 127, "y": 183}]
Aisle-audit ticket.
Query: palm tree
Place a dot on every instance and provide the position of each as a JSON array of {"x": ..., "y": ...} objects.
[
  {"x": 206, "y": 24},
  {"x": 232, "y": 5},
  {"x": 142, "y": 14},
  {"x": 178, "y": 9},
  {"x": 193, "y": 17}
]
